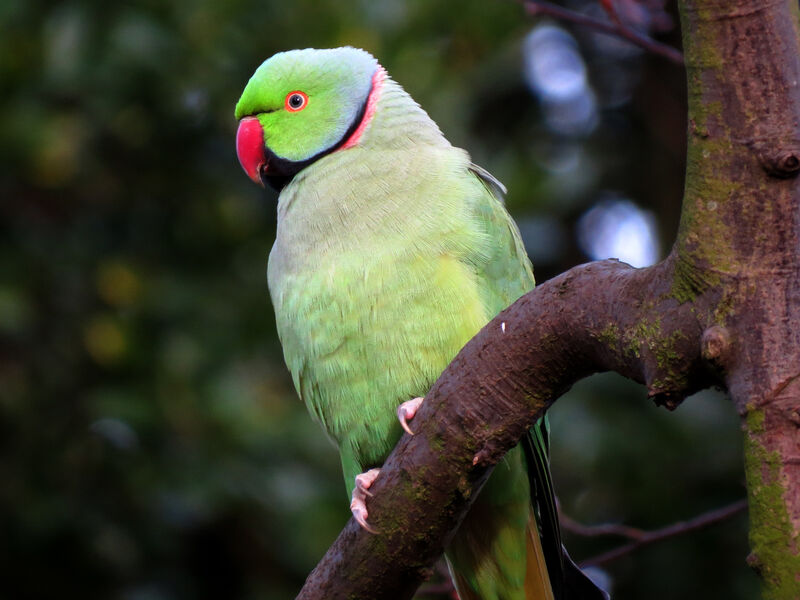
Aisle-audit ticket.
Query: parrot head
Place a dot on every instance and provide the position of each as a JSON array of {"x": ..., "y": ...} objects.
[{"x": 301, "y": 105}]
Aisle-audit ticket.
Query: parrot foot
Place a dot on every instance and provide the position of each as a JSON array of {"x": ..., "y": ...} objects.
[
  {"x": 406, "y": 412},
  {"x": 358, "y": 506}
]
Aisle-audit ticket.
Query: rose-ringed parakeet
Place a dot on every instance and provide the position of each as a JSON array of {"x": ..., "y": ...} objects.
[{"x": 392, "y": 251}]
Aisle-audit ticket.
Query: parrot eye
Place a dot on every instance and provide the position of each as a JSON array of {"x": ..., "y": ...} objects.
[{"x": 296, "y": 101}]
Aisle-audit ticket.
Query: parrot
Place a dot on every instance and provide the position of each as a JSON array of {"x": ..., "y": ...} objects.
[{"x": 392, "y": 250}]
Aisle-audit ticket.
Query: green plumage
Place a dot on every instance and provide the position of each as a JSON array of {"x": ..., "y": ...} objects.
[{"x": 390, "y": 255}]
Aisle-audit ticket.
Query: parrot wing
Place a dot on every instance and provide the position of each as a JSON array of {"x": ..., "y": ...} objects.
[
  {"x": 494, "y": 185},
  {"x": 506, "y": 281}
]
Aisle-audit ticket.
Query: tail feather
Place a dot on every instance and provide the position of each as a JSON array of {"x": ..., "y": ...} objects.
[
  {"x": 509, "y": 544},
  {"x": 537, "y": 456},
  {"x": 537, "y": 579},
  {"x": 567, "y": 580}
]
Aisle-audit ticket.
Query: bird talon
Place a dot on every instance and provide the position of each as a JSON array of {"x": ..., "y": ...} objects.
[
  {"x": 406, "y": 412},
  {"x": 361, "y": 518},
  {"x": 358, "y": 505}
]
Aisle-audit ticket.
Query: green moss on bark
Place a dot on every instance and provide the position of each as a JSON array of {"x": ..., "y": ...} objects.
[
  {"x": 704, "y": 236},
  {"x": 774, "y": 545},
  {"x": 609, "y": 335}
]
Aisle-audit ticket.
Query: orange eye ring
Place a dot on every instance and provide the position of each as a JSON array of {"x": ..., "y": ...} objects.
[{"x": 296, "y": 101}]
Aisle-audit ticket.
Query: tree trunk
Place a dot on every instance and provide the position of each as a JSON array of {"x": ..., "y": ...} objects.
[
  {"x": 739, "y": 233},
  {"x": 722, "y": 309}
]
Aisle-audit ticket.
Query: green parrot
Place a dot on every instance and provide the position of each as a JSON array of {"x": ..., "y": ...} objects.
[{"x": 392, "y": 251}]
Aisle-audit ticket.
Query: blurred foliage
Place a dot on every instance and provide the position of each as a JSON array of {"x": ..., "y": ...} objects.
[{"x": 151, "y": 446}]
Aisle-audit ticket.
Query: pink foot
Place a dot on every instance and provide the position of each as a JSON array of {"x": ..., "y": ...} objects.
[
  {"x": 406, "y": 412},
  {"x": 358, "y": 505}
]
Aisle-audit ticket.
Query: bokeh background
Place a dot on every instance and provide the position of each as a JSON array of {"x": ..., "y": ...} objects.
[{"x": 151, "y": 445}]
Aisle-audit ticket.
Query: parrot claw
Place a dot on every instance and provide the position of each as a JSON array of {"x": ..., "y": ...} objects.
[
  {"x": 406, "y": 412},
  {"x": 358, "y": 506},
  {"x": 358, "y": 515}
]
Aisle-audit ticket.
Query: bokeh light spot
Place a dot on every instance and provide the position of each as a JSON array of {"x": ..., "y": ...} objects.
[{"x": 617, "y": 228}]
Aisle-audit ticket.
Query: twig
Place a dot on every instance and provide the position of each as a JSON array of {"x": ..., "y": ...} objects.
[
  {"x": 608, "y": 6},
  {"x": 573, "y": 526},
  {"x": 616, "y": 28},
  {"x": 643, "y": 538}
]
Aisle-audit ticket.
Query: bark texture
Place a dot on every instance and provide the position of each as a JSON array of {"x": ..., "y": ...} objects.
[
  {"x": 740, "y": 234},
  {"x": 722, "y": 309}
]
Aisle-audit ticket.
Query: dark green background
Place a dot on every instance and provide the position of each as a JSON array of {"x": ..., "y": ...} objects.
[{"x": 151, "y": 445}]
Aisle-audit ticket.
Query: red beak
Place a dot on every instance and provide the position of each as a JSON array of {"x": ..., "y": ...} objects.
[{"x": 250, "y": 148}]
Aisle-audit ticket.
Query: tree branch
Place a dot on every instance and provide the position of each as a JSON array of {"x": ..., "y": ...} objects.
[
  {"x": 642, "y": 537},
  {"x": 578, "y": 528},
  {"x": 615, "y": 28}
]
